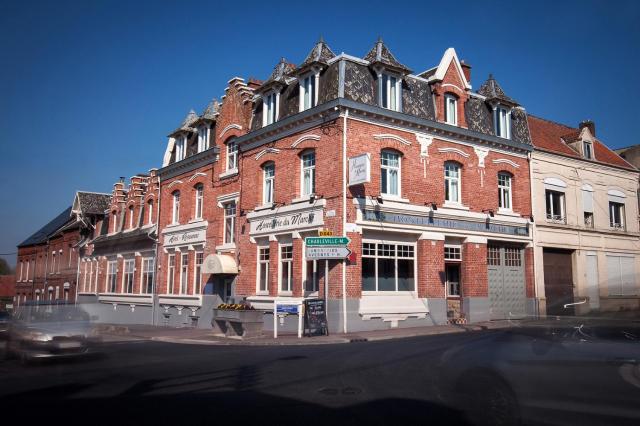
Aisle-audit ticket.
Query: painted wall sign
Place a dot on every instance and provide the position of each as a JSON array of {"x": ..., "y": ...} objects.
[
  {"x": 436, "y": 222},
  {"x": 359, "y": 169},
  {"x": 181, "y": 238},
  {"x": 288, "y": 221}
]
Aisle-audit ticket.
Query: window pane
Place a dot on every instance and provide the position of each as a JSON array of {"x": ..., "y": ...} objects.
[
  {"x": 406, "y": 281},
  {"x": 385, "y": 82},
  {"x": 368, "y": 274},
  {"x": 383, "y": 181},
  {"x": 393, "y": 182},
  {"x": 386, "y": 275}
]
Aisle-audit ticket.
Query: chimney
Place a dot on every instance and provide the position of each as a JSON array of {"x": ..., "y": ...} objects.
[
  {"x": 118, "y": 191},
  {"x": 466, "y": 69},
  {"x": 590, "y": 124}
]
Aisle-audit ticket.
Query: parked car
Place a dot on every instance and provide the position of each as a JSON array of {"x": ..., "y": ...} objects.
[
  {"x": 4, "y": 323},
  {"x": 559, "y": 372},
  {"x": 50, "y": 330}
]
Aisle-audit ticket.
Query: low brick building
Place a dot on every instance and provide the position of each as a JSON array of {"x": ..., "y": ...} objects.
[{"x": 7, "y": 292}]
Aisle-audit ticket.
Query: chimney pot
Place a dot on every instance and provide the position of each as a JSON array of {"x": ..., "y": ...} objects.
[{"x": 590, "y": 124}]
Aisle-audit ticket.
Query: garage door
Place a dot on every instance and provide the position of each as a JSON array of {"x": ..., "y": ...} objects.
[
  {"x": 506, "y": 281},
  {"x": 558, "y": 281},
  {"x": 620, "y": 275}
]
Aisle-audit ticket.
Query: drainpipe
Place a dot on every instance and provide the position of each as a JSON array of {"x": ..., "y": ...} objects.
[
  {"x": 533, "y": 238},
  {"x": 344, "y": 218},
  {"x": 157, "y": 260}
]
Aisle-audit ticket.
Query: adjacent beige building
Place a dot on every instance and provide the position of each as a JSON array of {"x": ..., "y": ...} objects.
[{"x": 585, "y": 214}]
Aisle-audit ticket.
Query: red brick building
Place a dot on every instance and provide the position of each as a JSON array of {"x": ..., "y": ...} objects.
[
  {"x": 7, "y": 291},
  {"x": 427, "y": 178}
]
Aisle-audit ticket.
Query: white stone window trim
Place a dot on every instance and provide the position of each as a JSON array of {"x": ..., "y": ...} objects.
[
  {"x": 450, "y": 98},
  {"x": 148, "y": 267},
  {"x": 126, "y": 262},
  {"x": 387, "y": 75},
  {"x": 501, "y": 192},
  {"x": 587, "y": 143},
  {"x": 267, "y": 105},
  {"x": 548, "y": 194},
  {"x": 228, "y": 173},
  {"x": 448, "y": 182},
  {"x": 175, "y": 208},
  {"x": 505, "y": 132},
  {"x": 268, "y": 182},
  {"x": 259, "y": 264},
  {"x": 314, "y": 74},
  {"x": 199, "y": 204},
  {"x": 232, "y": 218},
  {"x": 387, "y": 194},
  {"x": 171, "y": 273},
  {"x": 281, "y": 263},
  {"x": 311, "y": 170},
  {"x": 232, "y": 151},
  {"x": 452, "y": 246}
]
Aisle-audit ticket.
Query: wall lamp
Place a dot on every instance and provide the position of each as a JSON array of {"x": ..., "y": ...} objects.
[
  {"x": 379, "y": 199},
  {"x": 433, "y": 206},
  {"x": 314, "y": 197},
  {"x": 489, "y": 211}
]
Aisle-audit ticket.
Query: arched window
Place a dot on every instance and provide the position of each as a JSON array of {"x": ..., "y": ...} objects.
[
  {"x": 390, "y": 173},
  {"x": 175, "y": 216},
  {"x": 269, "y": 175},
  {"x": 149, "y": 212},
  {"x": 452, "y": 182},
  {"x": 451, "y": 109},
  {"x": 504, "y": 190},
  {"x": 199, "y": 189},
  {"x": 308, "y": 183}
]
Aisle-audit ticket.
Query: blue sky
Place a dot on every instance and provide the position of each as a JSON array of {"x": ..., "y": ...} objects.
[{"x": 90, "y": 89}]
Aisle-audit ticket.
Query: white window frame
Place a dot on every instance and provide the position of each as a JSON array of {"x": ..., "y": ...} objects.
[
  {"x": 268, "y": 182},
  {"x": 198, "y": 260},
  {"x": 505, "y": 197},
  {"x": 203, "y": 138},
  {"x": 150, "y": 217},
  {"x": 26, "y": 278},
  {"x": 95, "y": 282},
  {"x": 270, "y": 108},
  {"x": 317, "y": 271},
  {"x": 128, "y": 271},
  {"x": 587, "y": 146},
  {"x": 112, "y": 276},
  {"x": 199, "y": 194},
  {"x": 59, "y": 261},
  {"x": 310, "y": 170},
  {"x": 181, "y": 147},
  {"x": 450, "y": 118},
  {"x": 263, "y": 263},
  {"x": 453, "y": 248},
  {"x": 184, "y": 273},
  {"x": 386, "y": 89},
  {"x": 502, "y": 122},
  {"x": 231, "y": 238},
  {"x": 130, "y": 217},
  {"x": 285, "y": 263},
  {"x": 171, "y": 273},
  {"x": 308, "y": 81},
  {"x": 620, "y": 207},
  {"x": 232, "y": 155},
  {"x": 387, "y": 169},
  {"x": 553, "y": 216},
  {"x": 84, "y": 279},
  {"x": 20, "y": 279},
  {"x": 448, "y": 283},
  {"x": 448, "y": 182},
  {"x": 114, "y": 217},
  {"x": 175, "y": 208},
  {"x": 148, "y": 272},
  {"x": 376, "y": 256},
  {"x": 52, "y": 269}
]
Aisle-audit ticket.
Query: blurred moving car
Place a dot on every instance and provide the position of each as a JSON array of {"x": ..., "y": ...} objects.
[
  {"x": 48, "y": 330},
  {"x": 555, "y": 372},
  {"x": 4, "y": 323}
]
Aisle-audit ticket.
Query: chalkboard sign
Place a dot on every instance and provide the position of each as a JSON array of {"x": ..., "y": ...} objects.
[{"x": 315, "y": 318}]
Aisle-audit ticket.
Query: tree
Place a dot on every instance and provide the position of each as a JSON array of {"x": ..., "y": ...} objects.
[{"x": 5, "y": 269}]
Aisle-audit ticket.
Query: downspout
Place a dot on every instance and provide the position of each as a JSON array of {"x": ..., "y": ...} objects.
[
  {"x": 533, "y": 237},
  {"x": 157, "y": 260},
  {"x": 344, "y": 218}
]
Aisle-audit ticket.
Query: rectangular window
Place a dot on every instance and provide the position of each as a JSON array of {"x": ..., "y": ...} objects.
[
  {"x": 112, "y": 272},
  {"x": 232, "y": 155},
  {"x": 308, "y": 92},
  {"x": 150, "y": 212},
  {"x": 286, "y": 268},
  {"x": 84, "y": 280},
  {"x": 175, "y": 215},
  {"x": 60, "y": 256},
  {"x": 587, "y": 207},
  {"x": 308, "y": 173},
  {"x": 504, "y": 191},
  {"x": 502, "y": 117},
  {"x": 493, "y": 256},
  {"x": 127, "y": 277},
  {"x": 314, "y": 273},
  {"x": 616, "y": 215},
  {"x": 199, "y": 201},
  {"x": 20, "y": 279},
  {"x": 130, "y": 217},
  {"x": 181, "y": 148},
  {"x": 26, "y": 275},
  {"x": 270, "y": 109},
  {"x": 263, "y": 269},
  {"x": 452, "y": 252},
  {"x": 390, "y": 173},
  {"x": 184, "y": 272},
  {"x": 452, "y": 275},
  {"x": 229, "y": 222},
  {"x": 587, "y": 147},
  {"x": 452, "y": 182},
  {"x": 388, "y": 267},
  {"x": 390, "y": 92},
  {"x": 555, "y": 206},
  {"x": 148, "y": 275},
  {"x": 512, "y": 256},
  {"x": 171, "y": 273},
  {"x": 95, "y": 283},
  {"x": 197, "y": 273},
  {"x": 451, "y": 110},
  {"x": 91, "y": 274},
  {"x": 203, "y": 138},
  {"x": 588, "y": 219},
  {"x": 269, "y": 181}
]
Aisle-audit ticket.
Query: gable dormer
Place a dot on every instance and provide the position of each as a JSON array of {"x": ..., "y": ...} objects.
[
  {"x": 389, "y": 74},
  {"x": 268, "y": 102},
  {"x": 502, "y": 107},
  {"x": 583, "y": 140},
  {"x": 204, "y": 124},
  {"x": 179, "y": 140},
  {"x": 450, "y": 85},
  {"x": 308, "y": 75}
]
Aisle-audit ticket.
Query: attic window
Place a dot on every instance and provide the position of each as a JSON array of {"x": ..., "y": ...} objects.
[
  {"x": 308, "y": 91},
  {"x": 270, "y": 108},
  {"x": 587, "y": 150},
  {"x": 181, "y": 148},
  {"x": 503, "y": 122},
  {"x": 390, "y": 91},
  {"x": 451, "y": 109}
]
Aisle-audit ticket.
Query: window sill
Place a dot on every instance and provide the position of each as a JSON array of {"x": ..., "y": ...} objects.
[
  {"x": 455, "y": 206},
  {"x": 285, "y": 293},
  {"x": 226, "y": 247},
  {"x": 264, "y": 207},
  {"x": 228, "y": 173},
  {"x": 394, "y": 198},
  {"x": 507, "y": 212},
  {"x": 196, "y": 220},
  {"x": 262, "y": 293},
  {"x": 173, "y": 225},
  {"x": 303, "y": 199}
]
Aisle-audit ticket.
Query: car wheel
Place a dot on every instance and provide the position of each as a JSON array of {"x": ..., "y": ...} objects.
[{"x": 488, "y": 400}]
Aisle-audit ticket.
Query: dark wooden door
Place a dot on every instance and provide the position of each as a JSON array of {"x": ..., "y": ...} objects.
[{"x": 558, "y": 281}]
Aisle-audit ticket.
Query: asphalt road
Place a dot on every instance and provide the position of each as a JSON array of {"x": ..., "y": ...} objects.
[{"x": 378, "y": 383}]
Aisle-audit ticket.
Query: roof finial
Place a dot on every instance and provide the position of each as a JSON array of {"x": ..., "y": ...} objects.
[
  {"x": 321, "y": 39},
  {"x": 379, "y": 39},
  {"x": 491, "y": 76}
]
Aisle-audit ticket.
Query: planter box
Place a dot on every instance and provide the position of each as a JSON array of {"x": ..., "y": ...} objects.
[{"x": 243, "y": 324}]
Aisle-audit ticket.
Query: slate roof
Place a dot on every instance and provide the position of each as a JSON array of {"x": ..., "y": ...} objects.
[
  {"x": 92, "y": 202},
  {"x": 321, "y": 53},
  {"x": 41, "y": 234},
  {"x": 550, "y": 136},
  {"x": 211, "y": 110},
  {"x": 186, "y": 123},
  {"x": 380, "y": 54},
  {"x": 492, "y": 90},
  {"x": 279, "y": 73}
]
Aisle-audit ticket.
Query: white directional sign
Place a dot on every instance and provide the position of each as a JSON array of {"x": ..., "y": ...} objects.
[{"x": 327, "y": 252}]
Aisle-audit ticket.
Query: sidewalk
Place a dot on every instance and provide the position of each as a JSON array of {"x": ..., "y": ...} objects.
[{"x": 195, "y": 336}]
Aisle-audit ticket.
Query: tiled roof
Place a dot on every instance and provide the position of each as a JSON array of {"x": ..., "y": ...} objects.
[
  {"x": 492, "y": 90},
  {"x": 380, "y": 53},
  {"x": 320, "y": 53},
  {"x": 41, "y": 234},
  {"x": 93, "y": 203},
  {"x": 550, "y": 136}
]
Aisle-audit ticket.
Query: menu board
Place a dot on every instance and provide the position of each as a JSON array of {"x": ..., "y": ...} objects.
[{"x": 315, "y": 318}]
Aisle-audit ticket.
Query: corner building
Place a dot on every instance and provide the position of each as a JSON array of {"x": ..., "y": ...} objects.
[{"x": 428, "y": 179}]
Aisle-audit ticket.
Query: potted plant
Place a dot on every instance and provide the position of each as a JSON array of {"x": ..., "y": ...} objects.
[{"x": 237, "y": 320}]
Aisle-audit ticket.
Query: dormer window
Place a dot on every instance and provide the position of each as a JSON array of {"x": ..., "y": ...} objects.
[
  {"x": 181, "y": 147},
  {"x": 503, "y": 122},
  {"x": 587, "y": 150},
  {"x": 308, "y": 91},
  {"x": 270, "y": 108},
  {"x": 203, "y": 138},
  {"x": 390, "y": 90},
  {"x": 451, "y": 109}
]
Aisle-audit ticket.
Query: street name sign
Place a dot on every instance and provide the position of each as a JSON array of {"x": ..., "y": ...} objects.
[
  {"x": 326, "y": 241},
  {"x": 327, "y": 252}
]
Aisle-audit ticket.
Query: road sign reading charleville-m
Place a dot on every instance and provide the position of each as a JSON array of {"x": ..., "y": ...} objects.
[{"x": 326, "y": 241}]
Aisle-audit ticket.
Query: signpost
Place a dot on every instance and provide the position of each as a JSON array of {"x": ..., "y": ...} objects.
[
  {"x": 282, "y": 308},
  {"x": 327, "y": 252}
]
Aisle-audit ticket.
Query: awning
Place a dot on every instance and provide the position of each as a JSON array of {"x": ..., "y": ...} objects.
[{"x": 219, "y": 264}]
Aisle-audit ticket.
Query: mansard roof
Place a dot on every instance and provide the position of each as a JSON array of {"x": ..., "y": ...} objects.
[
  {"x": 493, "y": 92},
  {"x": 321, "y": 53},
  {"x": 210, "y": 112},
  {"x": 279, "y": 74},
  {"x": 191, "y": 118},
  {"x": 380, "y": 54}
]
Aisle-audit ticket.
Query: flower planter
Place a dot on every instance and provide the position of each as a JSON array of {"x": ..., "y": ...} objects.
[{"x": 245, "y": 324}]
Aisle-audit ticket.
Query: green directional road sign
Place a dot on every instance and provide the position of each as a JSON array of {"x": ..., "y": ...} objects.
[{"x": 326, "y": 241}]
